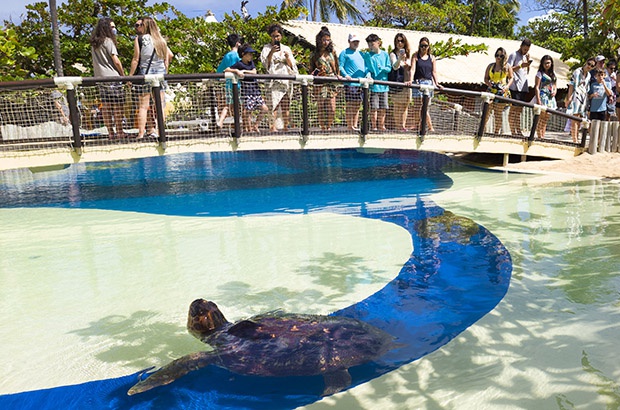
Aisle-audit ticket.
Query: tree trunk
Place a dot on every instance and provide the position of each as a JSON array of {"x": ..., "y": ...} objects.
[
  {"x": 56, "y": 39},
  {"x": 585, "y": 19}
]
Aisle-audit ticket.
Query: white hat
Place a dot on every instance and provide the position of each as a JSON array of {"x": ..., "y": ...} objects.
[
  {"x": 600, "y": 58},
  {"x": 353, "y": 37}
]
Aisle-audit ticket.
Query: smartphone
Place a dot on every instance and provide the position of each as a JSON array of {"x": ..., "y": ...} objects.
[
  {"x": 315, "y": 72},
  {"x": 402, "y": 52},
  {"x": 277, "y": 43}
]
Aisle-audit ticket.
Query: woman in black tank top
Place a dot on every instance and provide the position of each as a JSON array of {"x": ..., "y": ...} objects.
[{"x": 424, "y": 72}]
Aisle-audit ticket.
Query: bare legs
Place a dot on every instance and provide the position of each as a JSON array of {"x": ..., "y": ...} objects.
[
  {"x": 377, "y": 119},
  {"x": 514, "y": 119},
  {"x": 542, "y": 124},
  {"x": 327, "y": 112},
  {"x": 284, "y": 107},
  {"x": 146, "y": 118},
  {"x": 498, "y": 110},
  {"x": 113, "y": 119}
]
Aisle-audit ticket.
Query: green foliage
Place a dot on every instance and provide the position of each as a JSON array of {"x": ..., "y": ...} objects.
[
  {"x": 11, "y": 50},
  {"x": 490, "y": 18},
  {"x": 452, "y": 48},
  {"x": 201, "y": 49},
  {"x": 448, "y": 17},
  {"x": 198, "y": 46},
  {"x": 563, "y": 32}
]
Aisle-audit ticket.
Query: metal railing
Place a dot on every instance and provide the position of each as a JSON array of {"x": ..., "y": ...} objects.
[{"x": 189, "y": 107}]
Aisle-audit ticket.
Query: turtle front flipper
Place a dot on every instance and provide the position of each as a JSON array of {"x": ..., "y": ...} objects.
[
  {"x": 336, "y": 381},
  {"x": 172, "y": 371}
]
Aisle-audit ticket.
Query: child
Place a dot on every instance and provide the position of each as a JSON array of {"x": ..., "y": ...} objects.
[
  {"x": 600, "y": 90},
  {"x": 252, "y": 99},
  {"x": 234, "y": 41},
  {"x": 378, "y": 65}
]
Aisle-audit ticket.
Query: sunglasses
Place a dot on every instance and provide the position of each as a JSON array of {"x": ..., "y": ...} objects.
[
  {"x": 423, "y": 45},
  {"x": 612, "y": 67},
  {"x": 400, "y": 40},
  {"x": 592, "y": 64},
  {"x": 138, "y": 24},
  {"x": 500, "y": 55}
]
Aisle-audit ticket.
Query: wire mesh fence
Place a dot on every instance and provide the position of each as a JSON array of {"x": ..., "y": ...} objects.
[{"x": 188, "y": 109}]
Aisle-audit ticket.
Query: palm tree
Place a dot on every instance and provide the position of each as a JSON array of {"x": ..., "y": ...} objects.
[
  {"x": 56, "y": 39},
  {"x": 342, "y": 9}
]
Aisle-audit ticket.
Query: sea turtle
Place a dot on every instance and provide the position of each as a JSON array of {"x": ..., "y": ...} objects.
[{"x": 276, "y": 344}]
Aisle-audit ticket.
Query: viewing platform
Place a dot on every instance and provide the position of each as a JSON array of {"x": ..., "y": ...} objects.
[{"x": 55, "y": 122}]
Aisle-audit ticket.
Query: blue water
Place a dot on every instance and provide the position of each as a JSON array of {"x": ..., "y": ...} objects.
[{"x": 456, "y": 274}]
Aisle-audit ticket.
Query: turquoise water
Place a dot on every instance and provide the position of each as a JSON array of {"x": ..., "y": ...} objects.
[{"x": 543, "y": 346}]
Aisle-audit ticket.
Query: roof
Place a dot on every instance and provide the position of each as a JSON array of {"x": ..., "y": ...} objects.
[{"x": 458, "y": 70}]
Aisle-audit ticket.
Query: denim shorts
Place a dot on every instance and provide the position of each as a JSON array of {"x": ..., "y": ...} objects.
[{"x": 416, "y": 92}]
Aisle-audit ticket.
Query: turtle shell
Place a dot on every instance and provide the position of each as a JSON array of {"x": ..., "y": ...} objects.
[{"x": 285, "y": 344}]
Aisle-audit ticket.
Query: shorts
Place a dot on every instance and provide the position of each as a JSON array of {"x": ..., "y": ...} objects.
[
  {"x": 253, "y": 102},
  {"x": 416, "y": 92},
  {"x": 112, "y": 93},
  {"x": 379, "y": 100},
  {"x": 520, "y": 95},
  {"x": 598, "y": 115},
  {"x": 353, "y": 93}
]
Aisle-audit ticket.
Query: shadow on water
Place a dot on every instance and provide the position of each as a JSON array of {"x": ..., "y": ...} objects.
[{"x": 457, "y": 273}]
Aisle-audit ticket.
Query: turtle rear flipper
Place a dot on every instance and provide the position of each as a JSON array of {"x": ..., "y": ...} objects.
[
  {"x": 336, "y": 381},
  {"x": 172, "y": 371}
]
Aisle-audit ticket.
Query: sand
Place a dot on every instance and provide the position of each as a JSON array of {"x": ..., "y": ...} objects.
[{"x": 602, "y": 165}]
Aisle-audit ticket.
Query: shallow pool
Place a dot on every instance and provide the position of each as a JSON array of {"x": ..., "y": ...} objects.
[{"x": 100, "y": 262}]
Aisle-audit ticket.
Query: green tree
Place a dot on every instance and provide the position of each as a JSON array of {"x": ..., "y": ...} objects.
[
  {"x": 11, "y": 50},
  {"x": 342, "y": 9}
]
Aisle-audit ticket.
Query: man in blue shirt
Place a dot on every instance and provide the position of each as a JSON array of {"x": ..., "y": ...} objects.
[
  {"x": 378, "y": 65},
  {"x": 230, "y": 58},
  {"x": 352, "y": 65}
]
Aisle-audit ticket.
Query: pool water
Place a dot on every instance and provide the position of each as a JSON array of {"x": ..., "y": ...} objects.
[{"x": 102, "y": 261}]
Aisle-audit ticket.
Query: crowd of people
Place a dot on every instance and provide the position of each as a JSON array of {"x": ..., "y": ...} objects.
[
  {"x": 591, "y": 92},
  {"x": 402, "y": 65}
]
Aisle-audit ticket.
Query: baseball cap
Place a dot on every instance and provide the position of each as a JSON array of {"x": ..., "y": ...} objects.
[
  {"x": 353, "y": 37},
  {"x": 600, "y": 58}
]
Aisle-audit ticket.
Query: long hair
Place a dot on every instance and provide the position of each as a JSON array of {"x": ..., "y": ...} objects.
[
  {"x": 503, "y": 61},
  {"x": 320, "y": 49},
  {"x": 150, "y": 27},
  {"x": 102, "y": 30},
  {"x": 406, "y": 42},
  {"x": 428, "y": 49},
  {"x": 550, "y": 71}
]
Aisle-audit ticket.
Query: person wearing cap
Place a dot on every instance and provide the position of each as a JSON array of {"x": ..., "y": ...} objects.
[
  {"x": 352, "y": 66},
  {"x": 520, "y": 62},
  {"x": 250, "y": 92},
  {"x": 378, "y": 65}
]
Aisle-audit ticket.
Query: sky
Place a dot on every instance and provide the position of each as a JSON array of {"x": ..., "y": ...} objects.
[{"x": 13, "y": 9}]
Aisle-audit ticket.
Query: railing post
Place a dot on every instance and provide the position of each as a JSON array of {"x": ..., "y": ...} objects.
[
  {"x": 305, "y": 124},
  {"x": 585, "y": 125},
  {"x": 458, "y": 109},
  {"x": 236, "y": 103},
  {"x": 486, "y": 106},
  {"x": 538, "y": 109},
  {"x": 155, "y": 80},
  {"x": 68, "y": 84},
  {"x": 594, "y": 131},
  {"x": 365, "y": 83}
]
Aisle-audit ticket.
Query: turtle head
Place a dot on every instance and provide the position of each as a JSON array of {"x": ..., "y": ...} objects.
[{"x": 204, "y": 318}]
